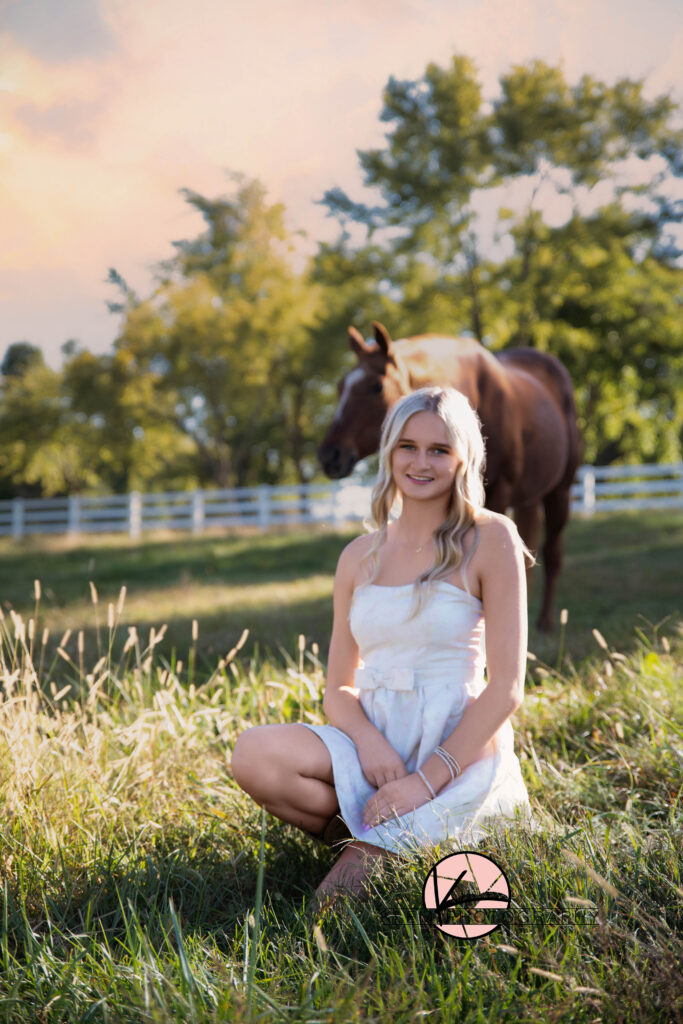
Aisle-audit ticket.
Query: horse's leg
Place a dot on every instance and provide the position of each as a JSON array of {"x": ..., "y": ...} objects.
[
  {"x": 498, "y": 496},
  {"x": 556, "y": 515},
  {"x": 528, "y": 520}
]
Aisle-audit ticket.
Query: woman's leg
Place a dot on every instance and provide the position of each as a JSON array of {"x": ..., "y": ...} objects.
[
  {"x": 288, "y": 770},
  {"x": 352, "y": 868}
]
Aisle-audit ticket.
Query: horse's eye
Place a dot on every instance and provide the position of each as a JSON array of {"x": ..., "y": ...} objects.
[{"x": 376, "y": 388}]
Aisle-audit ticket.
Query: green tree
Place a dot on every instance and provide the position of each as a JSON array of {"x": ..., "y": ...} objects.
[
  {"x": 601, "y": 290},
  {"x": 223, "y": 348},
  {"x": 20, "y": 357},
  {"x": 42, "y": 451},
  {"x": 122, "y": 439}
]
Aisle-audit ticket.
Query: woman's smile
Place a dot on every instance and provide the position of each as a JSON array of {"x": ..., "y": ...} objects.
[{"x": 424, "y": 455}]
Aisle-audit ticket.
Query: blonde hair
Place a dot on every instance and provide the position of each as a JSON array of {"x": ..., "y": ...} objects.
[{"x": 467, "y": 496}]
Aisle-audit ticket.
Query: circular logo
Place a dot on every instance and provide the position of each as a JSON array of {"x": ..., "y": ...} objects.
[{"x": 461, "y": 885}]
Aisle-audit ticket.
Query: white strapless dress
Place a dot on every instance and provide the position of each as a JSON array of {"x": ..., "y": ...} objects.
[{"x": 414, "y": 682}]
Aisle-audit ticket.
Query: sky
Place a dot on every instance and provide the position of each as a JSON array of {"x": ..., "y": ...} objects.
[{"x": 109, "y": 107}]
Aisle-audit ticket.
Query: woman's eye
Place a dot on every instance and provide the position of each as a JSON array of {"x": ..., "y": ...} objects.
[{"x": 439, "y": 451}]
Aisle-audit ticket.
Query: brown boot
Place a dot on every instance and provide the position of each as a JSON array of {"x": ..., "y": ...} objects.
[{"x": 334, "y": 832}]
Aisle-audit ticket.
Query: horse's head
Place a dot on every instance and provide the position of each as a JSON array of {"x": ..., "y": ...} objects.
[{"x": 365, "y": 394}]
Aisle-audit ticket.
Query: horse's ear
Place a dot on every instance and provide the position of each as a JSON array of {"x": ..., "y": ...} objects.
[
  {"x": 357, "y": 342},
  {"x": 382, "y": 337}
]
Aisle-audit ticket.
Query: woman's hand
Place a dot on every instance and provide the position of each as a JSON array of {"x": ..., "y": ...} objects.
[
  {"x": 379, "y": 760},
  {"x": 397, "y": 797}
]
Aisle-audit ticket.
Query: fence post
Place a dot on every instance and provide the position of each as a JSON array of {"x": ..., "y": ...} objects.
[
  {"x": 73, "y": 521},
  {"x": 264, "y": 506},
  {"x": 18, "y": 518},
  {"x": 336, "y": 504},
  {"x": 304, "y": 503},
  {"x": 588, "y": 492},
  {"x": 134, "y": 515},
  {"x": 680, "y": 470},
  {"x": 197, "y": 512}
]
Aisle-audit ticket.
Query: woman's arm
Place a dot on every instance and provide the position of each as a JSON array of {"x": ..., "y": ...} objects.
[
  {"x": 503, "y": 582},
  {"x": 379, "y": 761}
]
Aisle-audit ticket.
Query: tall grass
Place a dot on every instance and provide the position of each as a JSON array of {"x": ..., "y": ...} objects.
[
  {"x": 139, "y": 884},
  {"x": 620, "y": 571}
]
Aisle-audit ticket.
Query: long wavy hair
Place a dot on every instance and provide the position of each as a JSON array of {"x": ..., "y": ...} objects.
[{"x": 467, "y": 496}]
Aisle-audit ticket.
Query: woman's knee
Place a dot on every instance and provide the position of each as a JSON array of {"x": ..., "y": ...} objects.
[
  {"x": 249, "y": 756},
  {"x": 266, "y": 756}
]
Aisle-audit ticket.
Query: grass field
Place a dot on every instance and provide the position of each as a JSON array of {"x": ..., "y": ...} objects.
[
  {"x": 140, "y": 885},
  {"x": 621, "y": 572}
]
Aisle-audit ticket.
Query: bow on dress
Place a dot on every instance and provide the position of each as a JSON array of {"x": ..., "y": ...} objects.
[{"x": 391, "y": 679}]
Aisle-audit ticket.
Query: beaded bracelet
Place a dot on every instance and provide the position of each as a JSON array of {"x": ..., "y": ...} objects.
[
  {"x": 448, "y": 759},
  {"x": 426, "y": 782}
]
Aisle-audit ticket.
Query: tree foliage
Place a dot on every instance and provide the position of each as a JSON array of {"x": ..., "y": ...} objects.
[
  {"x": 546, "y": 215},
  {"x": 223, "y": 346},
  {"x": 599, "y": 285},
  {"x": 20, "y": 357}
]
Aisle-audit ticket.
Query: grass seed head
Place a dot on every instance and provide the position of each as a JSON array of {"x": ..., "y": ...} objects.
[
  {"x": 546, "y": 974},
  {"x": 600, "y": 639},
  {"x": 319, "y": 939},
  {"x": 131, "y": 640}
]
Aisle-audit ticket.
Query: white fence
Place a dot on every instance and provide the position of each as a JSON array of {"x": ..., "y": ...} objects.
[{"x": 598, "y": 488}]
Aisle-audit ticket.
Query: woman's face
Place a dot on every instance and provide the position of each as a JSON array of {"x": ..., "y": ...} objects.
[{"x": 423, "y": 463}]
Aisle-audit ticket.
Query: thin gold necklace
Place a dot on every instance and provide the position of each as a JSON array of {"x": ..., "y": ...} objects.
[{"x": 418, "y": 550}]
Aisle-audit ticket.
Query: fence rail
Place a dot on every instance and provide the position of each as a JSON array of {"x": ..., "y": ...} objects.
[{"x": 597, "y": 489}]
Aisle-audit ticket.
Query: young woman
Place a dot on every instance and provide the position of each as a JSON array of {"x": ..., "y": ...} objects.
[{"x": 419, "y": 748}]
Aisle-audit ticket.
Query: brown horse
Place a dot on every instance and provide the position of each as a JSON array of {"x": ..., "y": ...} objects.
[{"x": 525, "y": 402}]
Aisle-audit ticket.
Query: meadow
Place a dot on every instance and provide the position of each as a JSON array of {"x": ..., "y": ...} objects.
[
  {"x": 140, "y": 885},
  {"x": 621, "y": 572}
]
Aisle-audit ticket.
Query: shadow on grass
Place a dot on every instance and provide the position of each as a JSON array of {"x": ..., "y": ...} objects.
[
  {"x": 620, "y": 574},
  {"x": 164, "y": 563},
  {"x": 210, "y": 881}
]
